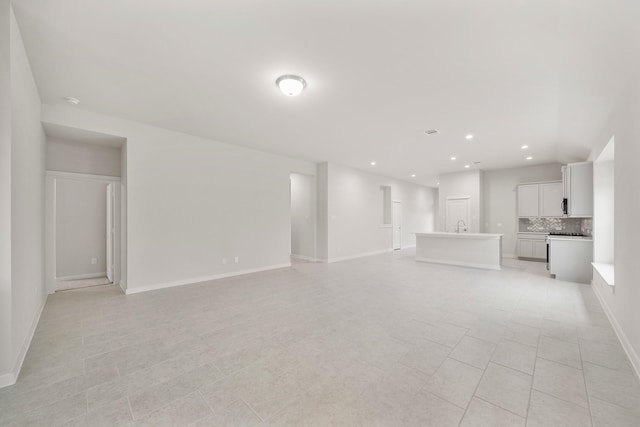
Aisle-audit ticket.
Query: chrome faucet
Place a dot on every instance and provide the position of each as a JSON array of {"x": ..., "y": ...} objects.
[{"x": 463, "y": 225}]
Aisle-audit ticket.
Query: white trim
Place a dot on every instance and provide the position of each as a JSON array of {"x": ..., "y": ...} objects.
[
  {"x": 460, "y": 264},
  {"x": 606, "y": 272},
  {"x": 83, "y": 176},
  {"x": 346, "y": 258},
  {"x": 408, "y": 247},
  {"x": 12, "y": 377},
  {"x": 513, "y": 256},
  {"x": 123, "y": 286},
  {"x": 626, "y": 344},
  {"x": 83, "y": 276},
  {"x": 7, "y": 379},
  {"x": 194, "y": 280},
  {"x": 304, "y": 258}
]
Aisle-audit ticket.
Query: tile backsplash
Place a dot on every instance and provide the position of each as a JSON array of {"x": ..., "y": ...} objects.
[{"x": 546, "y": 225}]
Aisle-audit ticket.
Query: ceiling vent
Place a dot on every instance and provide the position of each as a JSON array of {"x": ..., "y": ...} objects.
[{"x": 432, "y": 131}]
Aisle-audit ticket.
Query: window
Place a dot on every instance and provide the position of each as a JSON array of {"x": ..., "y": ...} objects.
[{"x": 604, "y": 212}]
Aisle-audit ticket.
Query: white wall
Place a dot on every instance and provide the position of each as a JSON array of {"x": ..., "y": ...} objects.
[
  {"x": 73, "y": 156},
  {"x": 355, "y": 210},
  {"x": 499, "y": 198},
  {"x": 28, "y": 291},
  {"x": 460, "y": 184},
  {"x": 604, "y": 211},
  {"x": 303, "y": 215},
  {"x": 192, "y": 201},
  {"x": 80, "y": 227},
  {"x": 6, "y": 353},
  {"x": 322, "y": 226},
  {"x": 622, "y": 302}
]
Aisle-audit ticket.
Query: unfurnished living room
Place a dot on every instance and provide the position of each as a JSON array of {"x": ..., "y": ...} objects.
[{"x": 346, "y": 213}]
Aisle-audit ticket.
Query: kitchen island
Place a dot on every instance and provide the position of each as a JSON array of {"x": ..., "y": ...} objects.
[{"x": 479, "y": 250}]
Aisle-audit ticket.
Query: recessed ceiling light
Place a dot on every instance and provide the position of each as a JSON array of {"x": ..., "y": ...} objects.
[
  {"x": 453, "y": 157},
  {"x": 529, "y": 158},
  {"x": 467, "y": 166},
  {"x": 291, "y": 85},
  {"x": 72, "y": 100},
  {"x": 437, "y": 183},
  {"x": 413, "y": 175},
  {"x": 524, "y": 147},
  {"x": 372, "y": 163},
  {"x": 469, "y": 136}
]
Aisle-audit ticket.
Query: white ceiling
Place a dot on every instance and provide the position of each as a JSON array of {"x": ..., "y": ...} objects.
[{"x": 379, "y": 74}]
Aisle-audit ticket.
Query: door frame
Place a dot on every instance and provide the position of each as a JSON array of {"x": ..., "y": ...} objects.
[
  {"x": 446, "y": 210},
  {"x": 393, "y": 224},
  {"x": 50, "y": 222}
]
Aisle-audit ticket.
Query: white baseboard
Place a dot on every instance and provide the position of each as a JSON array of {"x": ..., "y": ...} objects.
[
  {"x": 304, "y": 258},
  {"x": 123, "y": 286},
  {"x": 83, "y": 276},
  {"x": 346, "y": 258},
  {"x": 626, "y": 344},
  {"x": 460, "y": 264},
  {"x": 12, "y": 377},
  {"x": 7, "y": 379},
  {"x": 194, "y": 280}
]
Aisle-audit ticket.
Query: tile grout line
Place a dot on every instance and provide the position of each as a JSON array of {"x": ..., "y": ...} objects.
[
  {"x": 475, "y": 390},
  {"x": 584, "y": 379},
  {"x": 535, "y": 366},
  {"x": 130, "y": 409}
]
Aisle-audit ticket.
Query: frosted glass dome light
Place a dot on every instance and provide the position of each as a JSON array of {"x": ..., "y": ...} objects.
[{"x": 291, "y": 85}]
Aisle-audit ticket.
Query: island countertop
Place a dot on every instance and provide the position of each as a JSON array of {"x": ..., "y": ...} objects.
[{"x": 461, "y": 235}]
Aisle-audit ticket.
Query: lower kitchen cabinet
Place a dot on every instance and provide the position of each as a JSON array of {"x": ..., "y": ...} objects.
[
  {"x": 570, "y": 259},
  {"x": 532, "y": 246}
]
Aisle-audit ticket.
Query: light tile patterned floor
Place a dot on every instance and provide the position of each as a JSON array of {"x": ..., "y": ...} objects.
[{"x": 381, "y": 340}]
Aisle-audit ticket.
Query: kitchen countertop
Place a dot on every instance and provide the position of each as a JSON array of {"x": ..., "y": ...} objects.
[
  {"x": 462, "y": 235},
  {"x": 578, "y": 238}
]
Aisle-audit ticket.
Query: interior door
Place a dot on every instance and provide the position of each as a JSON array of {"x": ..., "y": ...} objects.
[
  {"x": 397, "y": 225},
  {"x": 458, "y": 210},
  {"x": 110, "y": 230}
]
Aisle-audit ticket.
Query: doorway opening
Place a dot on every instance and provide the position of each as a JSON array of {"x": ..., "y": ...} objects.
[
  {"x": 397, "y": 225},
  {"x": 84, "y": 224},
  {"x": 303, "y": 217},
  {"x": 458, "y": 212}
]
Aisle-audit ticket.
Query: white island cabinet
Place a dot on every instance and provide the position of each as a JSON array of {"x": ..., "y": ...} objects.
[{"x": 479, "y": 250}]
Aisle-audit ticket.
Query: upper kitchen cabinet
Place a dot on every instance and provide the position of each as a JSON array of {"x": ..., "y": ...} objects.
[
  {"x": 551, "y": 195},
  {"x": 540, "y": 200},
  {"x": 578, "y": 189},
  {"x": 528, "y": 205}
]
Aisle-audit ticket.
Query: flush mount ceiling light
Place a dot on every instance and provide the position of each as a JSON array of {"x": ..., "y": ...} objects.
[
  {"x": 291, "y": 85},
  {"x": 72, "y": 100},
  {"x": 469, "y": 136},
  {"x": 453, "y": 157},
  {"x": 413, "y": 175},
  {"x": 529, "y": 158},
  {"x": 524, "y": 147},
  {"x": 372, "y": 163},
  {"x": 467, "y": 166}
]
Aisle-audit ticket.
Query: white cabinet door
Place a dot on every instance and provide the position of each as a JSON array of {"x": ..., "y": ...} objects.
[
  {"x": 540, "y": 249},
  {"x": 580, "y": 186},
  {"x": 525, "y": 248},
  {"x": 551, "y": 195},
  {"x": 528, "y": 200}
]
